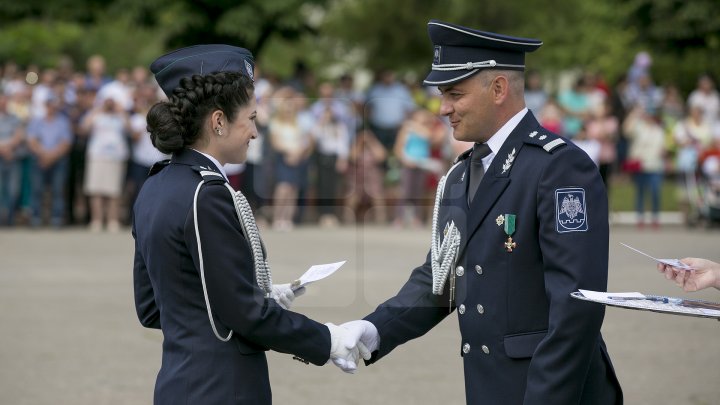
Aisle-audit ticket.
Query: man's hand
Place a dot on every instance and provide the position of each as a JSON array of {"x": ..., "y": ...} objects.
[
  {"x": 343, "y": 348},
  {"x": 366, "y": 334},
  {"x": 284, "y": 295}
]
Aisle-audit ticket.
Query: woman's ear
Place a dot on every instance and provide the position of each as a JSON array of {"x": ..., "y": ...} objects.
[{"x": 217, "y": 122}]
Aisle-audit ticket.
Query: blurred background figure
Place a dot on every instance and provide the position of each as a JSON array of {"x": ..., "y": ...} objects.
[
  {"x": 332, "y": 142},
  {"x": 603, "y": 128},
  {"x": 647, "y": 149},
  {"x": 535, "y": 95},
  {"x": 107, "y": 153},
  {"x": 706, "y": 96},
  {"x": 388, "y": 103},
  {"x": 365, "y": 179},
  {"x": 49, "y": 140},
  {"x": 292, "y": 146},
  {"x": 12, "y": 138}
]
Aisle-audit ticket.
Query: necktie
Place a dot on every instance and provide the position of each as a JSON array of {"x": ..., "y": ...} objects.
[{"x": 476, "y": 168}]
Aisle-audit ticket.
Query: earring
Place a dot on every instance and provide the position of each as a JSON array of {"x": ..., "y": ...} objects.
[{"x": 218, "y": 131}]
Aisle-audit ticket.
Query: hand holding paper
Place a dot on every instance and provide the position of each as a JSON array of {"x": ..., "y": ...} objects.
[{"x": 670, "y": 262}]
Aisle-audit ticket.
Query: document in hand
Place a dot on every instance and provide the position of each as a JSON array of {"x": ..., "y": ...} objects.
[
  {"x": 670, "y": 262},
  {"x": 654, "y": 303},
  {"x": 315, "y": 273}
]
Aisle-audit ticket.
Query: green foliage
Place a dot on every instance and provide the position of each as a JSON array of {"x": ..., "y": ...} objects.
[{"x": 36, "y": 42}]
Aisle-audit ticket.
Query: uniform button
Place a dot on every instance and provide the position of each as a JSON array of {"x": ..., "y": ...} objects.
[
  {"x": 461, "y": 309},
  {"x": 478, "y": 268},
  {"x": 484, "y": 349},
  {"x": 481, "y": 309},
  {"x": 459, "y": 271},
  {"x": 466, "y": 348}
]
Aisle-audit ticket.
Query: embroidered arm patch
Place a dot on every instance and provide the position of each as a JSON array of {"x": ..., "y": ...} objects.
[{"x": 570, "y": 210}]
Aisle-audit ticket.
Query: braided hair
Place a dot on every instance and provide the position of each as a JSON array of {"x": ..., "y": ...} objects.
[{"x": 177, "y": 123}]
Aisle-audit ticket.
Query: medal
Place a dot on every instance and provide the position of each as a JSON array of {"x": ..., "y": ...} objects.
[{"x": 509, "y": 230}]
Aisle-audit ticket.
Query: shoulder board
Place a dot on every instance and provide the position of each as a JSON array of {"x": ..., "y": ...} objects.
[
  {"x": 544, "y": 139},
  {"x": 157, "y": 166},
  {"x": 463, "y": 156},
  {"x": 208, "y": 174}
]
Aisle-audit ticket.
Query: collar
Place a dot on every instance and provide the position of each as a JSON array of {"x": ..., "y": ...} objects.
[
  {"x": 214, "y": 161},
  {"x": 498, "y": 139}
]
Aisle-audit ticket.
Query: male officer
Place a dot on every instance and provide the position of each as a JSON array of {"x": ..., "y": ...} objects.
[{"x": 521, "y": 221}]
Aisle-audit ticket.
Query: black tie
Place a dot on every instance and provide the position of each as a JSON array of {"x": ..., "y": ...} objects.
[{"x": 476, "y": 168}]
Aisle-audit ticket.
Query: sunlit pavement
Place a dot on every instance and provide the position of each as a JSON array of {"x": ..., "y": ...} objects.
[{"x": 70, "y": 336}]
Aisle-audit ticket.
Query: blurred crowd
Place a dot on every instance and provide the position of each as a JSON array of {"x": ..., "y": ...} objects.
[{"x": 74, "y": 149}]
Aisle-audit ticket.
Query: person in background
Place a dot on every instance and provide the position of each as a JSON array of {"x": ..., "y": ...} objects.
[
  {"x": 12, "y": 138},
  {"x": 705, "y": 274},
  {"x": 707, "y": 96},
  {"x": 575, "y": 106},
  {"x": 535, "y": 95},
  {"x": 603, "y": 128},
  {"x": 412, "y": 148},
  {"x": 332, "y": 144},
  {"x": 365, "y": 178},
  {"x": 388, "y": 103},
  {"x": 49, "y": 140},
  {"x": 647, "y": 149},
  {"x": 293, "y": 147},
  {"x": 107, "y": 154}
]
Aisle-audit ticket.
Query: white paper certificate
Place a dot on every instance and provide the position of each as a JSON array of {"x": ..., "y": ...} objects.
[
  {"x": 315, "y": 273},
  {"x": 670, "y": 262}
]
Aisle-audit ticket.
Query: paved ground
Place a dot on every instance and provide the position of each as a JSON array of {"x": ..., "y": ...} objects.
[{"x": 69, "y": 333}]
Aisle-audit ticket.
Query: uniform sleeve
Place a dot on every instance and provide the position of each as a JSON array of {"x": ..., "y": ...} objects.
[
  {"x": 409, "y": 314},
  {"x": 237, "y": 302},
  {"x": 575, "y": 255},
  {"x": 145, "y": 305}
]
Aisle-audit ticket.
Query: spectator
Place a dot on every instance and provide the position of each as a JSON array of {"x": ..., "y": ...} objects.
[
  {"x": 603, "y": 127},
  {"x": 49, "y": 140},
  {"x": 693, "y": 135},
  {"x": 107, "y": 153},
  {"x": 413, "y": 151},
  {"x": 96, "y": 78},
  {"x": 551, "y": 117},
  {"x": 293, "y": 147},
  {"x": 365, "y": 177},
  {"x": 11, "y": 142},
  {"x": 535, "y": 95},
  {"x": 42, "y": 92},
  {"x": 333, "y": 141},
  {"x": 388, "y": 103},
  {"x": 77, "y": 202},
  {"x": 647, "y": 147},
  {"x": 119, "y": 90},
  {"x": 575, "y": 106},
  {"x": 706, "y": 96}
]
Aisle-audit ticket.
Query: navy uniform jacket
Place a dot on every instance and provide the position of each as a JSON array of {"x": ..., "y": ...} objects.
[
  {"x": 198, "y": 368},
  {"x": 524, "y": 339}
]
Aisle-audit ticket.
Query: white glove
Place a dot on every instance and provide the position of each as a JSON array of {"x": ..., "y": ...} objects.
[
  {"x": 284, "y": 295},
  {"x": 366, "y": 336},
  {"x": 343, "y": 349}
]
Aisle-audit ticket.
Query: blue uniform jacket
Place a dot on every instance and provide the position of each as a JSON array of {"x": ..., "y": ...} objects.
[
  {"x": 524, "y": 339},
  {"x": 198, "y": 368}
]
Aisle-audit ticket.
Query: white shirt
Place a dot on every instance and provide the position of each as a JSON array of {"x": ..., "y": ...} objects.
[{"x": 498, "y": 139}]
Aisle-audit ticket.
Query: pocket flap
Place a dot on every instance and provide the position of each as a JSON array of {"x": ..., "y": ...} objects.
[{"x": 522, "y": 345}]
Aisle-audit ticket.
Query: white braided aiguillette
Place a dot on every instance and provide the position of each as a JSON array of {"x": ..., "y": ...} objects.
[{"x": 442, "y": 254}]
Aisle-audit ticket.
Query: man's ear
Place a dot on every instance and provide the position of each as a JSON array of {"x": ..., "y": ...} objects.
[{"x": 500, "y": 88}]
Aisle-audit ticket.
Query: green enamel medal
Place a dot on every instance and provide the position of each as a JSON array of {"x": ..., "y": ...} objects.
[{"x": 509, "y": 230}]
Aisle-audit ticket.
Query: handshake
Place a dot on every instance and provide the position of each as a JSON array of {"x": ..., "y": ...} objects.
[{"x": 350, "y": 341}]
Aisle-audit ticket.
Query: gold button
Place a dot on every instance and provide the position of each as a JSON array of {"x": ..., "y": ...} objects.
[
  {"x": 480, "y": 309},
  {"x": 478, "y": 268}
]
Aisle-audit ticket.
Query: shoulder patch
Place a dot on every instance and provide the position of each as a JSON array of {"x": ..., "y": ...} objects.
[
  {"x": 570, "y": 210},
  {"x": 463, "y": 156},
  {"x": 157, "y": 166},
  {"x": 544, "y": 139},
  {"x": 208, "y": 174}
]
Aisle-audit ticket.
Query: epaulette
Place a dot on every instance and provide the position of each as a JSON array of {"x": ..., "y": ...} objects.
[
  {"x": 157, "y": 166},
  {"x": 208, "y": 174},
  {"x": 546, "y": 140},
  {"x": 463, "y": 156}
]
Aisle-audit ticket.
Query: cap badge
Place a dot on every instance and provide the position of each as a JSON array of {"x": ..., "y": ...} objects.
[
  {"x": 437, "y": 54},
  {"x": 249, "y": 70}
]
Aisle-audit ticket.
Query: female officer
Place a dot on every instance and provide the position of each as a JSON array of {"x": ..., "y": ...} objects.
[{"x": 200, "y": 273}]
